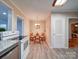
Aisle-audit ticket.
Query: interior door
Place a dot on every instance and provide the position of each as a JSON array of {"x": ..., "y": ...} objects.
[{"x": 58, "y": 31}]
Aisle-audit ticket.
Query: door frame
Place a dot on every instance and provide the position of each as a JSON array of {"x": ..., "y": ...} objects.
[{"x": 67, "y": 30}]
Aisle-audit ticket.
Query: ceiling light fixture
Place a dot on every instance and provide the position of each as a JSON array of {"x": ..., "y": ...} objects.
[
  {"x": 37, "y": 24},
  {"x": 59, "y": 2}
]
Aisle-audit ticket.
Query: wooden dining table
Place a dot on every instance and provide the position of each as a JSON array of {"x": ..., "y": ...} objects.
[{"x": 37, "y": 38}]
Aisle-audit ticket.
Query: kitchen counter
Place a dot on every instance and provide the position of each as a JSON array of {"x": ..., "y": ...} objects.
[{"x": 7, "y": 45}]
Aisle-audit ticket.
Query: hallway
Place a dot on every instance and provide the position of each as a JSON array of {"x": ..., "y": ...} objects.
[
  {"x": 42, "y": 29},
  {"x": 42, "y": 51}
]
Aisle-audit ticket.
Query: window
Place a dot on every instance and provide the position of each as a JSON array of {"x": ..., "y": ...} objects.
[{"x": 5, "y": 17}]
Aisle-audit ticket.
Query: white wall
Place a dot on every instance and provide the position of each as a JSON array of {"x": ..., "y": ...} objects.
[{"x": 65, "y": 17}]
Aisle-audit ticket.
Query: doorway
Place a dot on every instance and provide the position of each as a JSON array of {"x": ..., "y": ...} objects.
[{"x": 73, "y": 33}]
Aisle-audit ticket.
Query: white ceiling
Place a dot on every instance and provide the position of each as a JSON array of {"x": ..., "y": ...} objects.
[
  {"x": 34, "y": 9},
  {"x": 41, "y": 9},
  {"x": 69, "y": 6}
]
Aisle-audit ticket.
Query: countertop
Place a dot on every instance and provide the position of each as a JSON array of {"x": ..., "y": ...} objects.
[{"x": 6, "y": 45}]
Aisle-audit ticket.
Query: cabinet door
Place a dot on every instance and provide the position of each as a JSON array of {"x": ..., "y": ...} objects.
[
  {"x": 58, "y": 31},
  {"x": 14, "y": 54}
]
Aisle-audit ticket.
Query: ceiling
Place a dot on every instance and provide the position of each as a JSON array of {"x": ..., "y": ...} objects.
[
  {"x": 69, "y": 6},
  {"x": 41, "y": 9},
  {"x": 35, "y": 9}
]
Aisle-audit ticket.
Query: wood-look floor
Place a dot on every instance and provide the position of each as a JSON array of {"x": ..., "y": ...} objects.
[{"x": 42, "y": 51}]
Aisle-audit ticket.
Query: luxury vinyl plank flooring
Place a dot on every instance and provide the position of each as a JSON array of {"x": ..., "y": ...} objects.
[{"x": 41, "y": 51}]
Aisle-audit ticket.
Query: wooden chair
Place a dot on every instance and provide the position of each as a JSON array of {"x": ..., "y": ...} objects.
[
  {"x": 37, "y": 38},
  {"x": 31, "y": 38}
]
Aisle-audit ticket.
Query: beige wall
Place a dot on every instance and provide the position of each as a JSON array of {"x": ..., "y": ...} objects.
[
  {"x": 66, "y": 14},
  {"x": 40, "y": 30},
  {"x": 48, "y": 30},
  {"x": 17, "y": 12}
]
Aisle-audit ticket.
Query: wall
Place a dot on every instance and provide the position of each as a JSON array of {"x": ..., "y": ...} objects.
[
  {"x": 17, "y": 12},
  {"x": 40, "y": 30},
  {"x": 48, "y": 30},
  {"x": 64, "y": 16}
]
